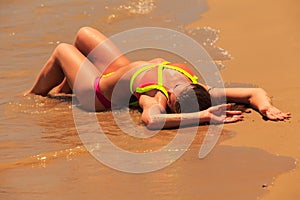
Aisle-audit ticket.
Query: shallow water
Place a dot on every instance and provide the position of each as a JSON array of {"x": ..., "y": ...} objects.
[{"x": 42, "y": 156}]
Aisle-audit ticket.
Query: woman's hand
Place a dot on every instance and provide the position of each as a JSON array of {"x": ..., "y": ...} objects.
[
  {"x": 274, "y": 114},
  {"x": 220, "y": 114}
]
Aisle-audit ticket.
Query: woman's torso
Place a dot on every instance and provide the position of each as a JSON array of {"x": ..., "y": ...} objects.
[{"x": 122, "y": 85}]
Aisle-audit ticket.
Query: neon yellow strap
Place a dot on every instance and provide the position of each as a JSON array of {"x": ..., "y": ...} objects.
[
  {"x": 137, "y": 73},
  {"x": 134, "y": 103},
  {"x": 160, "y": 74},
  {"x": 194, "y": 78},
  {"x": 108, "y": 74},
  {"x": 159, "y": 85},
  {"x": 153, "y": 87}
]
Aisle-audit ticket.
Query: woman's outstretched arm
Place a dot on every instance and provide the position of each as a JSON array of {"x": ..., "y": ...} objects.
[
  {"x": 257, "y": 98},
  {"x": 155, "y": 117}
]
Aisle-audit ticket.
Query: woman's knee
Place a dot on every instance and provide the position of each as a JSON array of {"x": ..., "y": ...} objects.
[
  {"x": 82, "y": 33},
  {"x": 85, "y": 34},
  {"x": 63, "y": 48}
]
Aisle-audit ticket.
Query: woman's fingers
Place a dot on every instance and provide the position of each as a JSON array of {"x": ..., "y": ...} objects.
[
  {"x": 232, "y": 119},
  {"x": 286, "y": 115},
  {"x": 227, "y": 116},
  {"x": 275, "y": 116},
  {"x": 220, "y": 109},
  {"x": 233, "y": 112},
  {"x": 222, "y": 106}
]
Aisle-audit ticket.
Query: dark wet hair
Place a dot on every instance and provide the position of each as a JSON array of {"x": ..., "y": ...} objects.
[{"x": 186, "y": 100}]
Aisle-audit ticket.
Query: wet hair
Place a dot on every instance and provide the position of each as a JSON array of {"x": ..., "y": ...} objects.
[{"x": 186, "y": 99}]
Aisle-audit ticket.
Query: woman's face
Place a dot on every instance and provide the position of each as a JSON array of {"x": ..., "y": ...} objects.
[{"x": 174, "y": 93}]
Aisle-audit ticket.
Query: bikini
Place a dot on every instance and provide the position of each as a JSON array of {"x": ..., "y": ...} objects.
[
  {"x": 105, "y": 102},
  {"x": 147, "y": 83}
]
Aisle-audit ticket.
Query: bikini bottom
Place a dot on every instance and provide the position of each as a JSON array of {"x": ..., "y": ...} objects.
[{"x": 106, "y": 103}]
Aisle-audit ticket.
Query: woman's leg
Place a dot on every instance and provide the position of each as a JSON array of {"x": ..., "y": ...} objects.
[
  {"x": 100, "y": 50},
  {"x": 68, "y": 63},
  {"x": 63, "y": 87},
  {"x": 52, "y": 73}
]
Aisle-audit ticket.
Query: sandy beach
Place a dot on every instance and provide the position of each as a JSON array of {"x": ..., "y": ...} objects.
[
  {"x": 263, "y": 39},
  {"x": 43, "y": 157}
]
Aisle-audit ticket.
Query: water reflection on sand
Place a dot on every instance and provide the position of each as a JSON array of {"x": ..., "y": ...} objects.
[{"x": 42, "y": 156}]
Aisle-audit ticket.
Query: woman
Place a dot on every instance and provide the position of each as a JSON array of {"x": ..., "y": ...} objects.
[{"x": 162, "y": 88}]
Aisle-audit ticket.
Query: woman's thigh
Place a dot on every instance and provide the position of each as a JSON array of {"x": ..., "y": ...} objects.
[
  {"x": 100, "y": 50},
  {"x": 80, "y": 74}
]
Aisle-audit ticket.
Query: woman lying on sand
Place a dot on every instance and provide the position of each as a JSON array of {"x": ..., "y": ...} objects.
[{"x": 160, "y": 87}]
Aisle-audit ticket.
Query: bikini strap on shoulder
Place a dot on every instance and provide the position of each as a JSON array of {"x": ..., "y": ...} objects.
[{"x": 193, "y": 78}]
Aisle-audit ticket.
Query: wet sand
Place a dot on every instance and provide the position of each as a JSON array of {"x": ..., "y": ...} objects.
[
  {"x": 263, "y": 37},
  {"x": 43, "y": 159}
]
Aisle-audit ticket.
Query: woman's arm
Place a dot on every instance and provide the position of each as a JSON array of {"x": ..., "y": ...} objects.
[
  {"x": 257, "y": 98},
  {"x": 155, "y": 117}
]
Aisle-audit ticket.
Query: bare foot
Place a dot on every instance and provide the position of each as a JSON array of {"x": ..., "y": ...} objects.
[{"x": 26, "y": 93}]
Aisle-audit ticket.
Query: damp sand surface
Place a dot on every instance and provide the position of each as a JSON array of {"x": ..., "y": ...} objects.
[
  {"x": 263, "y": 38},
  {"x": 42, "y": 156}
]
